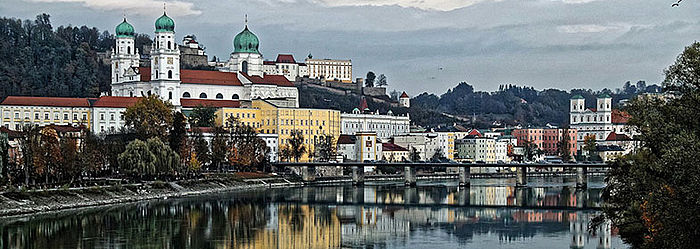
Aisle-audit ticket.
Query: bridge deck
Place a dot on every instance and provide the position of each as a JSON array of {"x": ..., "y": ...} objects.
[{"x": 446, "y": 165}]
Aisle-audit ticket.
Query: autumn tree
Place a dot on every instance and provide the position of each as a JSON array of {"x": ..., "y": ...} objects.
[
  {"x": 219, "y": 147},
  {"x": 564, "y": 145},
  {"x": 326, "y": 148},
  {"x": 200, "y": 146},
  {"x": 296, "y": 145},
  {"x": 652, "y": 194},
  {"x": 589, "y": 146},
  {"x": 247, "y": 149},
  {"x": 150, "y": 117}
]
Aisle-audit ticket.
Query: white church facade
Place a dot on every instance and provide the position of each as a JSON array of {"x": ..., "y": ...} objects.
[{"x": 242, "y": 79}]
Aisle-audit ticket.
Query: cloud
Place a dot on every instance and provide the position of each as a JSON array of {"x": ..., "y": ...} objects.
[
  {"x": 440, "y": 5},
  {"x": 587, "y": 28},
  {"x": 134, "y": 7}
]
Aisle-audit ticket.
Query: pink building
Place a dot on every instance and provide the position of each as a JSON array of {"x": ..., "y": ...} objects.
[{"x": 546, "y": 139}]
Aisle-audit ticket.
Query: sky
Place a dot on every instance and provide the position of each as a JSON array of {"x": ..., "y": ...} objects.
[{"x": 426, "y": 45}]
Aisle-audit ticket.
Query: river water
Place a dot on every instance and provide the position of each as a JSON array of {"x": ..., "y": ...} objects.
[{"x": 492, "y": 213}]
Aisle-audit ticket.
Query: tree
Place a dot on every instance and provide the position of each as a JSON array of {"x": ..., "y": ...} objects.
[
  {"x": 219, "y": 147},
  {"x": 150, "y": 117},
  {"x": 137, "y": 159},
  {"x": 286, "y": 153},
  {"x": 202, "y": 116},
  {"x": 4, "y": 156},
  {"x": 589, "y": 146},
  {"x": 166, "y": 162},
  {"x": 247, "y": 150},
  {"x": 47, "y": 153},
  {"x": 369, "y": 79},
  {"x": 530, "y": 149},
  {"x": 178, "y": 134},
  {"x": 381, "y": 80},
  {"x": 394, "y": 95},
  {"x": 415, "y": 155},
  {"x": 296, "y": 145},
  {"x": 563, "y": 147},
  {"x": 651, "y": 195},
  {"x": 326, "y": 148},
  {"x": 200, "y": 146}
]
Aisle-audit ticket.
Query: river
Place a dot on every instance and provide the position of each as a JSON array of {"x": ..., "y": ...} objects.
[{"x": 492, "y": 213}]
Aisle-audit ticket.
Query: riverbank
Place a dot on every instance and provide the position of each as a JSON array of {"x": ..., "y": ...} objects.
[{"x": 14, "y": 203}]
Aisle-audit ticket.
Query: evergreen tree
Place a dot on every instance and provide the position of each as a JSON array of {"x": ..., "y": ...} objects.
[{"x": 369, "y": 79}]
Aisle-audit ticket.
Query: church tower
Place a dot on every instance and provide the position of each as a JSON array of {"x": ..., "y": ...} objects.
[
  {"x": 246, "y": 57},
  {"x": 124, "y": 58},
  {"x": 165, "y": 61},
  {"x": 576, "y": 109}
]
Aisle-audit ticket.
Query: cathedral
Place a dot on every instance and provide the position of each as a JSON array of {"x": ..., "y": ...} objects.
[{"x": 241, "y": 79}]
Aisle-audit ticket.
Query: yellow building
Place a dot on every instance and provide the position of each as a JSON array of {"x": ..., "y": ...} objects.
[
  {"x": 268, "y": 118},
  {"x": 17, "y": 111}
]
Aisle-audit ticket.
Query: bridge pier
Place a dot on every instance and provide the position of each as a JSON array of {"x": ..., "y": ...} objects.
[
  {"x": 308, "y": 173},
  {"x": 581, "y": 177},
  {"x": 521, "y": 176},
  {"x": 409, "y": 174},
  {"x": 358, "y": 175},
  {"x": 464, "y": 176}
]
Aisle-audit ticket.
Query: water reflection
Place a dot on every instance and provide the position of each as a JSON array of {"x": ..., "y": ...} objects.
[{"x": 331, "y": 217}]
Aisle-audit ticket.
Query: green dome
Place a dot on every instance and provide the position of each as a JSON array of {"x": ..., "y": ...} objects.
[
  {"x": 165, "y": 24},
  {"x": 577, "y": 97},
  {"x": 124, "y": 29},
  {"x": 246, "y": 42},
  {"x": 604, "y": 96}
]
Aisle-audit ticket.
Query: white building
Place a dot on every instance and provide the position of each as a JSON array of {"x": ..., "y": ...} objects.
[
  {"x": 598, "y": 122},
  {"x": 385, "y": 126},
  {"x": 241, "y": 78},
  {"x": 482, "y": 149},
  {"x": 18, "y": 111},
  {"x": 336, "y": 70},
  {"x": 425, "y": 144},
  {"x": 287, "y": 66},
  {"x": 404, "y": 100}
]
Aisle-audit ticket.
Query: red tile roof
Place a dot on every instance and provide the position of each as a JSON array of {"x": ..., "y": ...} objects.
[
  {"x": 278, "y": 80},
  {"x": 199, "y": 77},
  {"x": 116, "y": 102},
  {"x": 346, "y": 139},
  {"x": 404, "y": 95},
  {"x": 617, "y": 137},
  {"x": 191, "y": 103},
  {"x": 363, "y": 105},
  {"x": 268, "y": 63},
  {"x": 620, "y": 117},
  {"x": 392, "y": 147},
  {"x": 474, "y": 132},
  {"x": 285, "y": 58},
  {"x": 46, "y": 101}
]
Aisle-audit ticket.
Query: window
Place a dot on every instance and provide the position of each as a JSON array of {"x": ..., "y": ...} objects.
[
  {"x": 170, "y": 74},
  {"x": 75, "y": 116},
  {"x": 170, "y": 95},
  {"x": 102, "y": 116},
  {"x": 202, "y": 95},
  {"x": 186, "y": 95},
  {"x": 55, "y": 116},
  {"x": 169, "y": 45},
  {"x": 244, "y": 67},
  {"x": 131, "y": 94},
  {"x": 84, "y": 116},
  {"x": 46, "y": 116},
  {"x": 219, "y": 96},
  {"x": 156, "y": 73},
  {"x": 111, "y": 117},
  {"x": 235, "y": 96},
  {"x": 36, "y": 115},
  {"x": 128, "y": 50},
  {"x": 65, "y": 116}
]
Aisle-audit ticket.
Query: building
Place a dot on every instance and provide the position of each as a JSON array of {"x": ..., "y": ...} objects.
[
  {"x": 192, "y": 55},
  {"x": 363, "y": 120},
  {"x": 286, "y": 65},
  {"x": 108, "y": 113},
  {"x": 446, "y": 145},
  {"x": 241, "y": 77},
  {"x": 609, "y": 152},
  {"x": 18, "y": 111},
  {"x": 268, "y": 118},
  {"x": 394, "y": 153},
  {"x": 404, "y": 100},
  {"x": 546, "y": 139},
  {"x": 599, "y": 121},
  {"x": 425, "y": 144},
  {"x": 332, "y": 70},
  {"x": 347, "y": 147},
  {"x": 482, "y": 149}
]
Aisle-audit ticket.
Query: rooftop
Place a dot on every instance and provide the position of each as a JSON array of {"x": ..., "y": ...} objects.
[{"x": 46, "y": 101}]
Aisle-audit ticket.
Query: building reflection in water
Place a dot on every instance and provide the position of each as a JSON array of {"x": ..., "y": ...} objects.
[{"x": 322, "y": 217}]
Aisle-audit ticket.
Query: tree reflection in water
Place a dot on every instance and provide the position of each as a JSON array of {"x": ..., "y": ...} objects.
[{"x": 328, "y": 217}]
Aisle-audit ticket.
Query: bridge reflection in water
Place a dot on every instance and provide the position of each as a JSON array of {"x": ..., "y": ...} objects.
[{"x": 331, "y": 217}]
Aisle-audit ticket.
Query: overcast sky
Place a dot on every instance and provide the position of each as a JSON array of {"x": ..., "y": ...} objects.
[{"x": 427, "y": 45}]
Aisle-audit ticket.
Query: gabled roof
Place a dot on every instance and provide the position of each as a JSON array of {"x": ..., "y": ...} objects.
[
  {"x": 285, "y": 58},
  {"x": 191, "y": 103},
  {"x": 116, "y": 102},
  {"x": 346, "y": 139},
  {"x": 206, "y": 77},
  {"x": 363, "y": 105},
  {"x": 392, "y": 147},
  {"x": 403, "y": 95},
  {"x": 278, "y": 80},
  {"x": 46, "y": 101},
  {"x": 474, "y": 132},
  {"x": 617, "y": 137}
]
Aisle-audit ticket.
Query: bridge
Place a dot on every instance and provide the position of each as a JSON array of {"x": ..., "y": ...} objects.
[{"x": 308, "y": 170}]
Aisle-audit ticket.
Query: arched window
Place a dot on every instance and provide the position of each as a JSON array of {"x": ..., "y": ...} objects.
[
  {"x": 131, "y": 94},
  {"x": 235, "y": 96},
  {"x": 170, "y": 95},
  {"x": 219, "y": 96},
  {"x": 244, "y": 67},
  {"x": 202, "y": 95},
  {"x": 186, "y": 95},
  {"x": 169, "y": 45},
  {"x": 170, "y": 74},
  {"x": 149, "y": 92}
]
